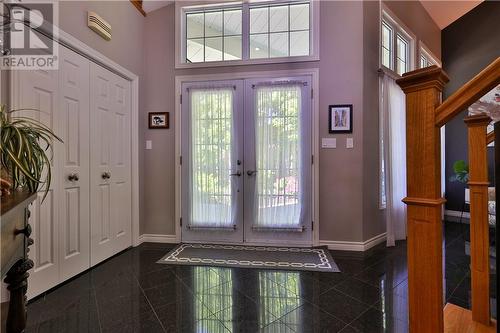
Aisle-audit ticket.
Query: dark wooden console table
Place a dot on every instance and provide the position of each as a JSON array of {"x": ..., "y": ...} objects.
[{"x": 15, "y": 232}]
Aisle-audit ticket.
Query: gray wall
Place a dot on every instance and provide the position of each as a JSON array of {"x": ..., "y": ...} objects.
[
  {"x": 348, "y": 74},
  {"x": 469, "y": 45},
  {"x": 349, "y": 61}
]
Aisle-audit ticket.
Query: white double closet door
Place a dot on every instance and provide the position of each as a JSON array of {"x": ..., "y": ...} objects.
[
  {"x": 246, "y": 161},
  {"x": 86, "y": 217}
]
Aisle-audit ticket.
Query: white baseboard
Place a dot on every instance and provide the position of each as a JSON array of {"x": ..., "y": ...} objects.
[
  {"x": 354, "y": 246},
  {"x": 456, "y": 213},
  {"x": 155, "y": 238}
]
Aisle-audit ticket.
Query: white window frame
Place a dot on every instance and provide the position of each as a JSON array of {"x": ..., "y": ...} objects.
[
  {"x": 180, "y": 14},
  {"x": 398, "y": 28},
  {"x": 426, "y": 53}
]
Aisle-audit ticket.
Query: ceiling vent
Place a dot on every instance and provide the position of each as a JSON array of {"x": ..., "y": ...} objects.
[{"x": 101, "y": 27}]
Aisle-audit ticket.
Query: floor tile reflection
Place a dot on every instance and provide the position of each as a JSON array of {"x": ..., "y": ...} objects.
[{"x": 131, "y": 293}]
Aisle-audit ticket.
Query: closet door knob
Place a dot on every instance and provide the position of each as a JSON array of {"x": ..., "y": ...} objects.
[
  {"x": 73, "y": 177},
  {"x": 106, "y": 175},
  {"x": 26, "y": 231},
  {"x": 251, "y": 172}
]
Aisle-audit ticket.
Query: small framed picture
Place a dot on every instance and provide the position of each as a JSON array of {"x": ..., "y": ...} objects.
[
  {"x": 340, "y": 118},
  {"x": 159, "y": 120}
]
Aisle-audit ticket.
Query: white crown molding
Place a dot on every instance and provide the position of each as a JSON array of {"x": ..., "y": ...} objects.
[{"x": 354, "y": 246}]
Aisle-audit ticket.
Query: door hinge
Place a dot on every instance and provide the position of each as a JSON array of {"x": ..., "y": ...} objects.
[
  {"x": 180, "y": 220},
  {"x": 180, "y": 98},
  {"x": 312, "y": 159},
  {"x": 312, "y": 93},
  {"x": 312, "y": 225},
  {"x": 180, "y": 160}
]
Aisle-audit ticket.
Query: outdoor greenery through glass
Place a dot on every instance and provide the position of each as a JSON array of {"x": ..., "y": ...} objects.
[
  {"x": 211, "y": 155},
  {"x": 278, "y": 156}
]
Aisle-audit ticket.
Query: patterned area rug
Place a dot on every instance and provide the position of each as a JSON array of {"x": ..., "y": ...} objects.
[{"x": 288, "y": 258}]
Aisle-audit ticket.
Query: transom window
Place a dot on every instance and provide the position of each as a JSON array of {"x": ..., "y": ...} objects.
[
  {"x": 396, "y": 46},
  {"x": 248, "y": 31},
  {"x": 279, "y": 31},
  {"x": 213, "y": 35}
]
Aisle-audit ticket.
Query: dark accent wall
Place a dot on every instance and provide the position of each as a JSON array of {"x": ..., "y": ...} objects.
[{"x": 468, "y": 45}]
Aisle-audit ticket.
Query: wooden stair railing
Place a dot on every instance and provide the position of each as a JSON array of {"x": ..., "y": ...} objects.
[
  {"x": 424, "y": 116},
  {"x": 479, "y": 227},
  {"x": 469, "y": 93},
  {"x": 490, "y": 137}
]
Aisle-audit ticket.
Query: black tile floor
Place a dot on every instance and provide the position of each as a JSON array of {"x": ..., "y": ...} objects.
[{"x": 131, "y": 293}]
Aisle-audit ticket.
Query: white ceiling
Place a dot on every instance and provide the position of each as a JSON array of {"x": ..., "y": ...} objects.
[
  {"x": 446, "y": 12},
  {"x": 150, "y": 5}
]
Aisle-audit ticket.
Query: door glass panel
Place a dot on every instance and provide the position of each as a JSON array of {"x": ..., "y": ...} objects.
[
  {"x": 212, "y": 148},
  {"x": 278, "y": 156}
]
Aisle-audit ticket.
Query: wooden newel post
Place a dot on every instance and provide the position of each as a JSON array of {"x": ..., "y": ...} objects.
[
  {"x": 479, "y": 228},
  {"x": 424, "y": 200}
]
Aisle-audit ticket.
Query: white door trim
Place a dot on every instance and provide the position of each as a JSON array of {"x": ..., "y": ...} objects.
[
  {"x": 83, "y": 49},
  {"x": 313, "y": 72}
]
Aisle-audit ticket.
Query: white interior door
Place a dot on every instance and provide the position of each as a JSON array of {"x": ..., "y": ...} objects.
[
  {"x": 74, "y": 206},
  {"x": 278, "y": 158},
  {"x": 38, "y": 90},
  {"x": 110, "y": 164},
  {"x": 212, "y": 161}
]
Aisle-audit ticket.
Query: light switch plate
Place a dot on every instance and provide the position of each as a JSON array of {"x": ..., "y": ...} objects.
[
  {"x": 329, "y": 143},
  {"x": 349, "y": 144},
  {"x": 149, "y": 144}
]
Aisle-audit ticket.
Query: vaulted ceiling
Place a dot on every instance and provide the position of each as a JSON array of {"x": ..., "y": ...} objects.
[
  {"x": 150, "y": 5},
  {"x": 443, "y": 12},
  {"x": 446, "y": 12}
]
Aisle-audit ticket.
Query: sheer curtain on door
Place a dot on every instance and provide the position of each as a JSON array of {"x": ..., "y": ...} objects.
[
  {"x": 212, "y": 149},
  {"x": 393, "y": 117},
  {"x": 279, "y": 191}
]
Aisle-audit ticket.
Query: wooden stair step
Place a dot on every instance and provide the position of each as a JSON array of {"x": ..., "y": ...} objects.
[{"x": 459, "y": 320}]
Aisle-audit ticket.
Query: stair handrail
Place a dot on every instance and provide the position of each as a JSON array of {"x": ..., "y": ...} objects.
[{"x": 469, "y": 93}]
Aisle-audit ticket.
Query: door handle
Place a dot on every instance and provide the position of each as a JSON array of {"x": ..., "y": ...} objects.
[
  {"x": 106, "y": 175},
  {"x": 251, "y": 172},
  {"x": 238, "y": 174},
  {"x": 73, "y": 177}
]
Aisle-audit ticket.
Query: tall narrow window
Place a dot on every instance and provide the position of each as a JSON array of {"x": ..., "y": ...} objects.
[
  {"x": 211, "y": 155},
  {"x": 278, "y": 151},
  {"x": 396, "y": 46},
  {"x": 402, "y": 55},
  {"x": 386, "y": 45}
]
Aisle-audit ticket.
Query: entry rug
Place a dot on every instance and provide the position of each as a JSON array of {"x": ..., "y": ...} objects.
[{"x": 288, "y": 258}]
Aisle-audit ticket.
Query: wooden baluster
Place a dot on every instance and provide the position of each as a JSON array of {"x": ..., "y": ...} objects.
[
  {"x": 479, "y": 228},
  {"x": 424, "y": 201}
]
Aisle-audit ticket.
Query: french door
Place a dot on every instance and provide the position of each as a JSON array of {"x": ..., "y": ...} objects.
[{"x": 246, "y": 161}]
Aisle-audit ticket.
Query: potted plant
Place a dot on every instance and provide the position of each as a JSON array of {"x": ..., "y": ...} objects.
[
  {"x": 25, "y": 153},
  {"x": 461, "y": 170}
]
